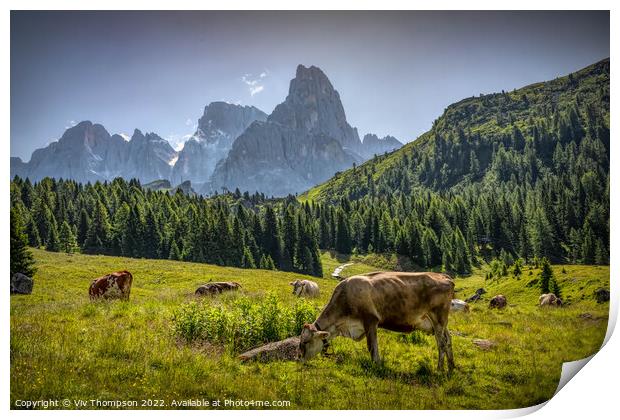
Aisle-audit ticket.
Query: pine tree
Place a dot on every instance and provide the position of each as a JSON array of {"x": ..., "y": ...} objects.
[
  {"x": 343, "y": 238},
  {"x": 546, "y": 278},
  {"x": 174, "y": 254},
  {"x": 98, "y": 235},
  {"x": 152, "y": 239},
  {"x": 83, "y": 226},
  {"x": 247, "y": 260},
  {"x": 271, "y": 236},
  {"x": 68, "y": 242},
  {"x": 22, "y": 260},
  {"x": 266, "y": 263},
  {"x": 53, "y": 241},
  {"x": 34, "y": 239}
]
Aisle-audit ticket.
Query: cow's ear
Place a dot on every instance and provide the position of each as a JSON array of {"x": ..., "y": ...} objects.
[
  {"x": 322, "y": 334},
  {"x": 291, "y": 283}
]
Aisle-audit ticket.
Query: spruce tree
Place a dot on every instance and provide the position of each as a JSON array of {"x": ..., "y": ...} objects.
[
  {"x": 247, "y": 261},
  {"x": 343, "y": 238},
  {"x": 53, "y": 241},
  {"x": 174, "y": 254},
  {"x": 68, "y": 242},
  {"x": 21, "y": 260},
  {"x": 546, "y": 278},
  {"x": 98, "y": 235}
]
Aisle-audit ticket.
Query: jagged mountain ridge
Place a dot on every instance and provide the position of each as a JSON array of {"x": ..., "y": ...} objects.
[
  {"x": 86, "y": 152},
  {"x": 219, "y": 126},
  {"x": 304, "y": 141}
]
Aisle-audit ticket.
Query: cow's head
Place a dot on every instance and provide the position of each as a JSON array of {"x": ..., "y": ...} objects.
[
  {"x": 297, "y": 286},
  {"x": 311, "y": 341}
]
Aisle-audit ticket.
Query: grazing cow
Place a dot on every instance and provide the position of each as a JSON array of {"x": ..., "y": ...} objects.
[
  {"x": 394, "y": 301},
  {"x": 498, "y": 302},
  {"x": 305, "y": 288},
  {"x": 476, "y": 296},
  {"x": 214, "y": 288},
  {"x": 116, "y": 285},
  {"x": 549, "y": 299},
  {"x": 458, "y": 305}
]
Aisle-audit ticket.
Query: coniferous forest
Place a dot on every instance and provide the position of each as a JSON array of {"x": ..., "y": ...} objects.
[{"x": 519, "y": 174}]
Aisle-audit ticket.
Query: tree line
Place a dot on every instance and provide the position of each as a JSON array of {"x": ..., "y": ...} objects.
[{"x": 124, "y": 218}]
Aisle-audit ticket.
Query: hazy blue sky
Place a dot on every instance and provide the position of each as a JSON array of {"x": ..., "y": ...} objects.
[{"x": 395, "y": 71}]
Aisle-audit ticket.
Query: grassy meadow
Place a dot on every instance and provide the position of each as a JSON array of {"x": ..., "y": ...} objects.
[{"x": 64, "y": 346}]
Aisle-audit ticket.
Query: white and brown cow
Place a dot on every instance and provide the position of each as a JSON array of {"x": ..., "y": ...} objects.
[
  {"x": 115, "y": 285},
  {"x": 549, "y": 299},
  {"x": 395, "y": 301},
  {"x": 305, "y": 288},
  {"x": 458, "y": 305}
]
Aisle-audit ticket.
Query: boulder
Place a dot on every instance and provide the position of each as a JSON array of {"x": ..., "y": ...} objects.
[
  {"x": 602, "y": 295},
  {"x": 484, "y": 344},
  {"x": 21, "y": 284}
]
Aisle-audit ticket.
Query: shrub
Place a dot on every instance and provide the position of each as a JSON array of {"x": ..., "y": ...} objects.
[{"x": 242, "y": 323}]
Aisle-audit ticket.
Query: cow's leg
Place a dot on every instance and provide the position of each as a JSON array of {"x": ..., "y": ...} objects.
[
  {"x": 440, "y": 338},
  {"x": 371, "y": 340},
  {"x": 448, "y": 341}
]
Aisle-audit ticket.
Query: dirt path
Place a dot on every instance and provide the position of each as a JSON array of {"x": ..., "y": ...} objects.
[{"x": 338, "y": 270}]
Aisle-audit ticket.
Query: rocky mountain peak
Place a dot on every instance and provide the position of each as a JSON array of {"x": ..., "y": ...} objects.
[{"x": 313, "y": 105}]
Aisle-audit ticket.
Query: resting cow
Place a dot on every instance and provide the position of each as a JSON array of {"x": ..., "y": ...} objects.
[
  {"x": 476, "y": 296},
  {"x": 394, "y": 301},
  {"x": 305, "y": 288},
  {"x": 498, "y": 302},
  {"x": 214, "y": 288},
  {"x": 116, "y": 285},
  {"x": 549, "y": 299},
  {"x": 458, "y": 305}
]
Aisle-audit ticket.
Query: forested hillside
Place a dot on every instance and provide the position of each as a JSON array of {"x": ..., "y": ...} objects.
[
  {"x": 526, "y": 172},
  {"x": 123, "y": 218},
  {"x": 520, "y": 174}
]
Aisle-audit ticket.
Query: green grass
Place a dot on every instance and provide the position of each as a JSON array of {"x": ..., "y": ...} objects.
[{"x": 64, "y": 346}]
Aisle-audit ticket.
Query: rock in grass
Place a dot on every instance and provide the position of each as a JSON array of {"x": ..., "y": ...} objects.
[
  {"x": 601, "y": 295},
  {"x": 279, "y": 350},
  {"x": 21, "y": 284},
  {"x": 484, "y": 344}
]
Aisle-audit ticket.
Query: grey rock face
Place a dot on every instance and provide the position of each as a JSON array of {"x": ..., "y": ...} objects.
[
  {"x": 304, "y": 141},
  {"x": 373, "y": 145},
  {"x": 82, "y": 153},
  {"x": 217, "y": 129},
  {"x": 149, "y": 157},
  {"x": 21, "y": 284},
  {"x": 88, "y": 153}
]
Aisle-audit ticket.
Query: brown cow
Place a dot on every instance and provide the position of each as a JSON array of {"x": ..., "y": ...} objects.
[
  {"x": 394, "y": 301},
  {"x": 498, "y": 302},
  {"x": 214, "y": 288},
  {"x": 116, "y": 285},
  {"x": 549, "y": 299}
]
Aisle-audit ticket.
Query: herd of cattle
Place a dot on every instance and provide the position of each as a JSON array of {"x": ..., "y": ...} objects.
[{"x": 359, "y": 305}]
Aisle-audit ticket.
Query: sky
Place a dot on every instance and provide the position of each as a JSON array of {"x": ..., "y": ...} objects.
[{"x": 395, "y": 71}]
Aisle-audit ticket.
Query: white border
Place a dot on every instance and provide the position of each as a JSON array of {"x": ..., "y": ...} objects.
[{"x": 591, "y": 394}]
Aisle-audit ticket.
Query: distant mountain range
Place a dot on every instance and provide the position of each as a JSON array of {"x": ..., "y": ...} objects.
[{"x": 304, "y": 141}]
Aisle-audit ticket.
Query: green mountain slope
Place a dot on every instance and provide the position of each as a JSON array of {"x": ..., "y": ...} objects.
[
  {"x": 520, "y": 174},
  {"x": 492, "y": 138}
]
